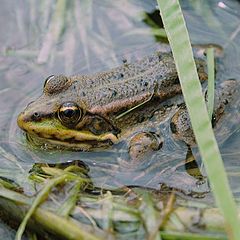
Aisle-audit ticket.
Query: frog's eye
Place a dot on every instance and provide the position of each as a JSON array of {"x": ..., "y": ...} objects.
[
  {"x": 47, "y": 80},
  {"x": 69, "y": 114}
]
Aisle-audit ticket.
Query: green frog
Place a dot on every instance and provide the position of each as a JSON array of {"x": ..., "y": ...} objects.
[{"x": 89, "y": 112}]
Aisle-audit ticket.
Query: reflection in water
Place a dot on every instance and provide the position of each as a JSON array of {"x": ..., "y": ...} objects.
[{"x": 78, "y": 40}]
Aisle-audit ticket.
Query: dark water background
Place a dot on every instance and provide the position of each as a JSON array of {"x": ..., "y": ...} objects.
[{"x": 39, "y": 39}]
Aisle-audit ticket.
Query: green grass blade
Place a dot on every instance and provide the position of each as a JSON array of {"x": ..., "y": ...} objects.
[
  {"x": 171, "y": 235},
  {"x": 211, "y": 77},
  {"x": 180, "y": 43},
  {"x": 39, "y": 199},
  {"x": 70, "y": 202}
]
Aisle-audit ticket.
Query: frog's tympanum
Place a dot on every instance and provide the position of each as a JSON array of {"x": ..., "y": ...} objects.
[{"x": 94, "y": 111}]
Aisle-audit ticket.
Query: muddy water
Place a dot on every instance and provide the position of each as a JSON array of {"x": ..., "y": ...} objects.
[{"x": 41, "y": 39}]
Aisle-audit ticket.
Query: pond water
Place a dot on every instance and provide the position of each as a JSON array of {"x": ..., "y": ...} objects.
[{"x": 39, "y": 39}]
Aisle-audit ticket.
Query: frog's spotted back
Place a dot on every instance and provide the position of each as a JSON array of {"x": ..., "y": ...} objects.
[{"x": 132, "y": 83}]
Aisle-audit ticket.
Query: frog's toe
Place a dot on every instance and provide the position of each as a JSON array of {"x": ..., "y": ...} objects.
[{"x": 142, "y": 144}]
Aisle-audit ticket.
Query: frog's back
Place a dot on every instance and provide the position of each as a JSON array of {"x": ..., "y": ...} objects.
[
  {"x": 130, "y": 84},
  {"x": 126, "y": 85},
  {"x": 126, "y": 71}
]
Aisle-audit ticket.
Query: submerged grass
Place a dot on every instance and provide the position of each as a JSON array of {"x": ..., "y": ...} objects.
[
  {"x": 39, "y": 199},
  {"x": 126, "y": 213},
  {"x": 53, "y": 33},
  {"x": 64, "y": 176},
  {"x": 190, "y": 236},
  {"x": 46, "y": 221},
  {"x": 180, "y": 43}
]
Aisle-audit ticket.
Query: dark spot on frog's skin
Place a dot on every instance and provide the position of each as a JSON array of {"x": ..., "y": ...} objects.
[
  {"x": 84, "y": 94},
  {"x": 173, "y": 127},
  {"x": 114, "y": 93},
  {"x": 141, "y": 119},
  {"x": 121, "y": 75},
  {"x": 145, "y": 84},
  {"x": 176, "y": 80},
  {"x": 159, "y": 57},
  {"x": 150, "y": 59},
  {"x": 160, "y": 145},
  {"x": 225, "y": 102},
  {"x": 124, "y": 60}
]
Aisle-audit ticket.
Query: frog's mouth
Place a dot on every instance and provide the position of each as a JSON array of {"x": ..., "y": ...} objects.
[
  {"x": 50, "y": 143},
  {"x": 51, "y": 133}
]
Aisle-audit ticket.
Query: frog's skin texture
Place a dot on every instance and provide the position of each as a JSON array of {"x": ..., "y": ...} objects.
[{"x": 94, "y": 111}]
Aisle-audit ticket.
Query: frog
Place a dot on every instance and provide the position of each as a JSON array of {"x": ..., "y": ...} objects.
[{"x": 89, "y": 112}]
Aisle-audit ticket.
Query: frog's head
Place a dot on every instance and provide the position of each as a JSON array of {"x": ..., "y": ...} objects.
[{"x": 60, "y": 118}]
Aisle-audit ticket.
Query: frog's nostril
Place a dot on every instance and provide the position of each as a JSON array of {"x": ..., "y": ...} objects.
[{"x": 36, "y": 116}]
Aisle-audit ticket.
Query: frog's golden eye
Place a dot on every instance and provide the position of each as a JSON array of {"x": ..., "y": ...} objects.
[
  {"x": 47, "y": 80},
  {"x": 69, "y": 114}
]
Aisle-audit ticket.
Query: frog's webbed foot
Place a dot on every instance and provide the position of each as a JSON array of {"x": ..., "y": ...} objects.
[
  {"x": 190, "y": 182},
  {"x": 142, "y": 145}
]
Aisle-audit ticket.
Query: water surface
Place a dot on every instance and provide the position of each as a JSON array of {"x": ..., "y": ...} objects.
[{"x": 39, "y": 39}]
